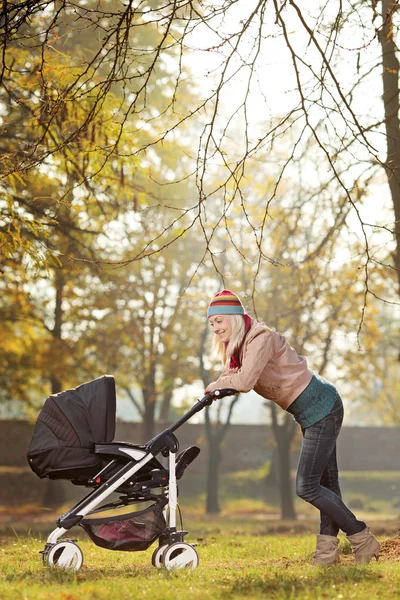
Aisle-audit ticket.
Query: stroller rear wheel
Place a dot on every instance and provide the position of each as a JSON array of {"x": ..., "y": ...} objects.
[
  {"x": 180, "y": 555},
  {"x": 157, "y": 557},
  {"x": 63, "y": 555}
]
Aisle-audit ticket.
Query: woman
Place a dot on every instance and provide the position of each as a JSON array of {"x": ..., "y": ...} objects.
[{"x": 256, "y": 358}]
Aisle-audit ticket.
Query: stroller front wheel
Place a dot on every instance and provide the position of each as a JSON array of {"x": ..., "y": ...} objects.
[
  {"x": 157, "y": 557},
  {"x": 180, "y": 555},
  {"x": 63, "y": 555}
]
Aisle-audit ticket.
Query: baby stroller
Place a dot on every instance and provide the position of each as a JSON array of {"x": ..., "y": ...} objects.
[{"x": 73, "y": 440}]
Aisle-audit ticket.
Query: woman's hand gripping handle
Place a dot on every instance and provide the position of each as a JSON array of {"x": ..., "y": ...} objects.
[{"x": 217, "y": 395}]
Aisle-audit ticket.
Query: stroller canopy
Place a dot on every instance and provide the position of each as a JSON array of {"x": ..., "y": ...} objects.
[{"x": 69, "y": 425}]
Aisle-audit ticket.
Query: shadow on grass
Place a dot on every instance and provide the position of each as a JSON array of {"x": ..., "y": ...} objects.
[
  {"x": 277, "y": 580},
  {"x": 49, "y": 575},
  {"x": 270, "y": 579}
]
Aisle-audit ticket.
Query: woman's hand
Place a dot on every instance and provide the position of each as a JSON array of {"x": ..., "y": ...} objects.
[{"x": 211, "y": 387}]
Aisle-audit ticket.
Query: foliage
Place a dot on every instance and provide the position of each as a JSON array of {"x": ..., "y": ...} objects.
[
  {"x": 105, "y": 84},
  {"x": 74, "y": 171},
  {"x": 67, "y": 206}
]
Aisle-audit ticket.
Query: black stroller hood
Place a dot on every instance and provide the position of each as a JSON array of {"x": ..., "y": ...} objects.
[{"x": 69, "y": 425}]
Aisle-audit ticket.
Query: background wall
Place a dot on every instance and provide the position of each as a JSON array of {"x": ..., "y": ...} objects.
[{"x": 245, "y": 447}]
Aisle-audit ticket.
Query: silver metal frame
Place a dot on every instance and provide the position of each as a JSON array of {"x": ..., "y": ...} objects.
[
  {"x": 59, "y": 531},
  {"x": 172, "y": 491}
]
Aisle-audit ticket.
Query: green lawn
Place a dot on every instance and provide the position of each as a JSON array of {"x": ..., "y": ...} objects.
[
  {"x": 245, "y": 552},
  {"x": 238, "y": 558}
]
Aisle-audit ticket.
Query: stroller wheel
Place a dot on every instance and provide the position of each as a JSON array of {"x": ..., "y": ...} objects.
[
  {"x": 157, "y": 557},
  {"x": 180, "y": 555},
  {"x": 64, "y": 555}
]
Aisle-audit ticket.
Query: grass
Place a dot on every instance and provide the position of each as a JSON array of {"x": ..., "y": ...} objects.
[
  {"x": 238, "y": 558},
  {"x": 245, "y": 552}
]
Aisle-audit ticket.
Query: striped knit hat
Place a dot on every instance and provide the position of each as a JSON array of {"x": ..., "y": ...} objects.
[{"x": 225, "y": 303}]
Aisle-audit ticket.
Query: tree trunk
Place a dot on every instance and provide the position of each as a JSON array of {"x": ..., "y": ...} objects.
[
  {"x": 214, "y": 459},
  {"x": 149, "y": 414},
  {"x": 55, "y": 380},
  {"x": 165, "y": 406},
  {"x": 215, "y": 437},
  {"x": 285, "y": 480},
  {"x": 273, "y": 474},
  {"x": 284, "y": 435},
  {"x": 54, "y": 494},
  {"x": 149, "y": 389},
  {"x": 390, "y": 79}
]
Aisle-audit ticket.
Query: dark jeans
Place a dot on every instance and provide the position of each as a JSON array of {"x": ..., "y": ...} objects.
[{"x": 317, "y": 480}]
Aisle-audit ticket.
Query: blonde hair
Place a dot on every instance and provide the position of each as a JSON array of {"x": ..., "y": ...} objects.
[{"x": 223, "y": 351}]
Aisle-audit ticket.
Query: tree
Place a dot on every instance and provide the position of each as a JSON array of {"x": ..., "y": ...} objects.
[
  {"x": 66, "y": 203},
  {"x": 20, "y": 338},
  {"x": 310, "y": 293},
  {"x": 142, "y": 329},
  {"x": 217, "y": 422},
  {"x": 284, "y": 433}
]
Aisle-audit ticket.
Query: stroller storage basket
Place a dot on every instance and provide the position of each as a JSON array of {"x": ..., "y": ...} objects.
[{"x": 132, "y": 527}]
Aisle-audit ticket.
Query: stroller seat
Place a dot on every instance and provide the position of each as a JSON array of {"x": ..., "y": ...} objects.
[
  {"x": 137, "y": 452},
  {"x": 123, "y": 449},
  {"x": 184, "y": 459},
  {"x": 129, "y": 451}
]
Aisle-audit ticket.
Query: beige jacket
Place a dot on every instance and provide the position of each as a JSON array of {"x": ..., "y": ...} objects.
[{"x": 269, "y": 366}]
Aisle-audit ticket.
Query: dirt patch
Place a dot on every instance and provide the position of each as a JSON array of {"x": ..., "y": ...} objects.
[{"x": 390, "y": 549}]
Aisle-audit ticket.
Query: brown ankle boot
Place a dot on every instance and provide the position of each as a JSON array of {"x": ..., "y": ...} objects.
[
  {"x": 326, "y": 552},
  {"x": 364, "y": 546}
]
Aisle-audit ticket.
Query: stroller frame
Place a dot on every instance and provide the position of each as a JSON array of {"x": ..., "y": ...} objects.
[{"x": 172, "y": 551}]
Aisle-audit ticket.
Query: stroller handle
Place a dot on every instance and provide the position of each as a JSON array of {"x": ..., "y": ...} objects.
[
  {"x": 166, "y": 439},
  {"x": 217, "y": 395},
  {"x": 202, "y": 403}
]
